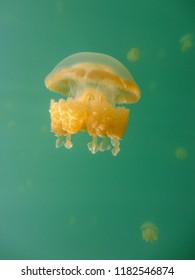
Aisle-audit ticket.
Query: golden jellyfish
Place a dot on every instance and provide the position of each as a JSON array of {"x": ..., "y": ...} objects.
[
  {"x": 186, "y": 42},
  {"x": 133, "y": 54},
  {"x": 181, "y": 153},
  {"x": 149, "y": 232},
  {"x": 94, "y": 86}
]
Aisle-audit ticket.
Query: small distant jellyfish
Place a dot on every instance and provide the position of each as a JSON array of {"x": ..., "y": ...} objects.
[
  {"x": 60, "y": 7},
  {"x": 149, "y": 232},
  {"x": 181, "y": 153},
  {"x": 186, "y": 42},
  {"x": 133, "y": 54},
  {"x": 94, "y": 86}
]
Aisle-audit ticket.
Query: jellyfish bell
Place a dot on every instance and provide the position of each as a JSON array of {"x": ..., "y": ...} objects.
[
  {"x": 81, "y": 70},
  {"x": 94, "y": 84}
]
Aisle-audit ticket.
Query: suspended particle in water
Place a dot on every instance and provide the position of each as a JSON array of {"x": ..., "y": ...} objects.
[
  {"x": 11, "y": 124},
  {"x": 72, "y": 220},
  {"x": 44, "y": 128},
  {"x": 161, "y": 53},
  {"x": 152, "y": 86},
  {"x": 60, "y": 7},
  {"x": 26, "y": 186},
  {"x": 149, "y": 232}
]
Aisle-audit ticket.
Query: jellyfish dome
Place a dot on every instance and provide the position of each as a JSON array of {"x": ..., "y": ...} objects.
[{"x": 93, "y": 87}]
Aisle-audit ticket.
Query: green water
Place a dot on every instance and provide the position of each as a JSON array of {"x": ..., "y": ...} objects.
[{"x": 70, "y": 204}]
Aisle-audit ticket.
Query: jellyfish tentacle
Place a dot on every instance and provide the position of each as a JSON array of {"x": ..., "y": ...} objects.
[
  {"x": 93, "y": 145},
  {"x": 115, "y": 143},
  {"x": 105, "y": 145},
  {"x": 68, "y": 144},
  {"x": 59, "y": 141}
]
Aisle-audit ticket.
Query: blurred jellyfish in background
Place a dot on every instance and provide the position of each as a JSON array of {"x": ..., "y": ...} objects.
[
  {"x": 186, "y": 42},
  {"x": 149, "y": 232},
  {"x": 181, "y": 153},
  {"x": 133, "y": 54}
]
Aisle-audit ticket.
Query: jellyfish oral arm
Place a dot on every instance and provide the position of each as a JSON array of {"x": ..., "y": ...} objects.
[{"x": 100, "y": 120}]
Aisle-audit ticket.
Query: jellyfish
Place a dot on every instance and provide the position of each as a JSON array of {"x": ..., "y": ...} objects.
[
  {"x": 181, "y": 153},
  {"x": 133, "y": 54},
  {"x": 93, "y": 86},
  {"x": 186, "y": 42},
  {"x": 149, "y": 232}
]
